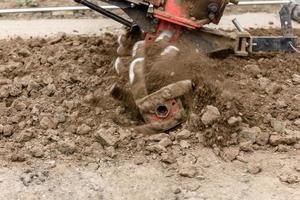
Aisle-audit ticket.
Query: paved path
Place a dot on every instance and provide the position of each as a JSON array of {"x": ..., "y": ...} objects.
[{"x": 42, "y": 27}]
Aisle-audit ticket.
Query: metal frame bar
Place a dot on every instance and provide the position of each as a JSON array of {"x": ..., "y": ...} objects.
[{"x": 77, "y": 8}]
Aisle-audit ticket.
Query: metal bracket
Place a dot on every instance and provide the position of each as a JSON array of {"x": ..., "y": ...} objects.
[{"x": 286, "y": 21}]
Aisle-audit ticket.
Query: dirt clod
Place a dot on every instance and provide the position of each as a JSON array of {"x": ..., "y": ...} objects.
[
  {"x": 254, "y": 168},
  {"x": 210, "y": 115}
]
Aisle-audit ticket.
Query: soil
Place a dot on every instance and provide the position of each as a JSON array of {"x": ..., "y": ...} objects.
[{"x": 60, "y": 127}]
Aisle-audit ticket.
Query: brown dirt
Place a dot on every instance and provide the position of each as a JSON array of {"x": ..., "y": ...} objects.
[{"x": 55, "y": 105}]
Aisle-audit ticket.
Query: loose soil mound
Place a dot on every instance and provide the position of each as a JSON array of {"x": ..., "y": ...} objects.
[{"x": 55, "y": 102}]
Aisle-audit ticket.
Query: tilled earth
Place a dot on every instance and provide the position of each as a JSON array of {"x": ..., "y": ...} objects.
[{"x": 55, "y": 108}]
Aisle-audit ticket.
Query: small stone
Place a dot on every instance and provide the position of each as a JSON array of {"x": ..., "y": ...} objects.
[
  {"x": 139, "y": 160},
  {"x": 282, "y": 148},
  {"x": 37, "y": 152},
  {"x": 83, "y": 129},
  {"x": 8, "y": 130},
  {"x": 24, "y": 52},
  {"x": 289, "y": 178},
  {"x": 93, "y": 166},
  {"x": 156, "y": 148},
  {"x": 25, "y": 135},
  {"x": 193, "y": 187},
  {"x": 47, "y": 123},
  {"x": 278, "y": 126},
  {"x": 297, "y": 146},
  {"x": 230, "y": 153},
  {"x": 18, "y": 157},
  {"x": 168, "y": 158},
  {"x": 278, "y": 139},
  {"x": 184, "y": 144},
  {"x": 211, "y": 114},
  {"x": 165, "y": 142},
  {"x": 106, "y": 138},
  {"x": 19, "y": 106},
  {"x": 234, "y": 121},
  {"x": 66, "y": 147},
  {"x": 4, "y": 93},
  {"x": 273, "y": 88},
  {"x": 281, "y": 104},
  {"x": 50, "y": 164},
  {"x": 1, "y": 128},
  {"x": 157, "y": 137},
  {"x": 263, "y": 82},
  {"x": 253, "y": 70},
  {"x": 249, "y": 134},
  {"x": 183, "y": 135},
  {"x": 296, "y": 79},
  {"x": 297, "y": 122},
  {"x": 262, "y": 138},
  {"x": 246, "y": 146},
  {"x": 297, "y": 168},
  {"x": 110, "y": 152},
  {"x": 177, "y": 191},
  {"x": 188, "y": 171},
  {"x": 253, "y": 168}
]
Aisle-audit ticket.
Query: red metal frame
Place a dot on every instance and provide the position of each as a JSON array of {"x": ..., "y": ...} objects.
[{"x": 172, "y": 19}]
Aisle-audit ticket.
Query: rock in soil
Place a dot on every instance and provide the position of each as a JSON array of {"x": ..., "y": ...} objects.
[
  {"x": 188, "y": 171},
  {"x": 254, "y": 168},
  {"x": 106, "y": 138},
  {"x": 249, "y": 134},
  {"x": 210, "y": 115},
  {"x": 289, "y": 178}
]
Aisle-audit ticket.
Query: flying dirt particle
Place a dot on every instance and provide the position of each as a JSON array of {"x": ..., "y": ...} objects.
[{"x": 210, "y": 115}]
